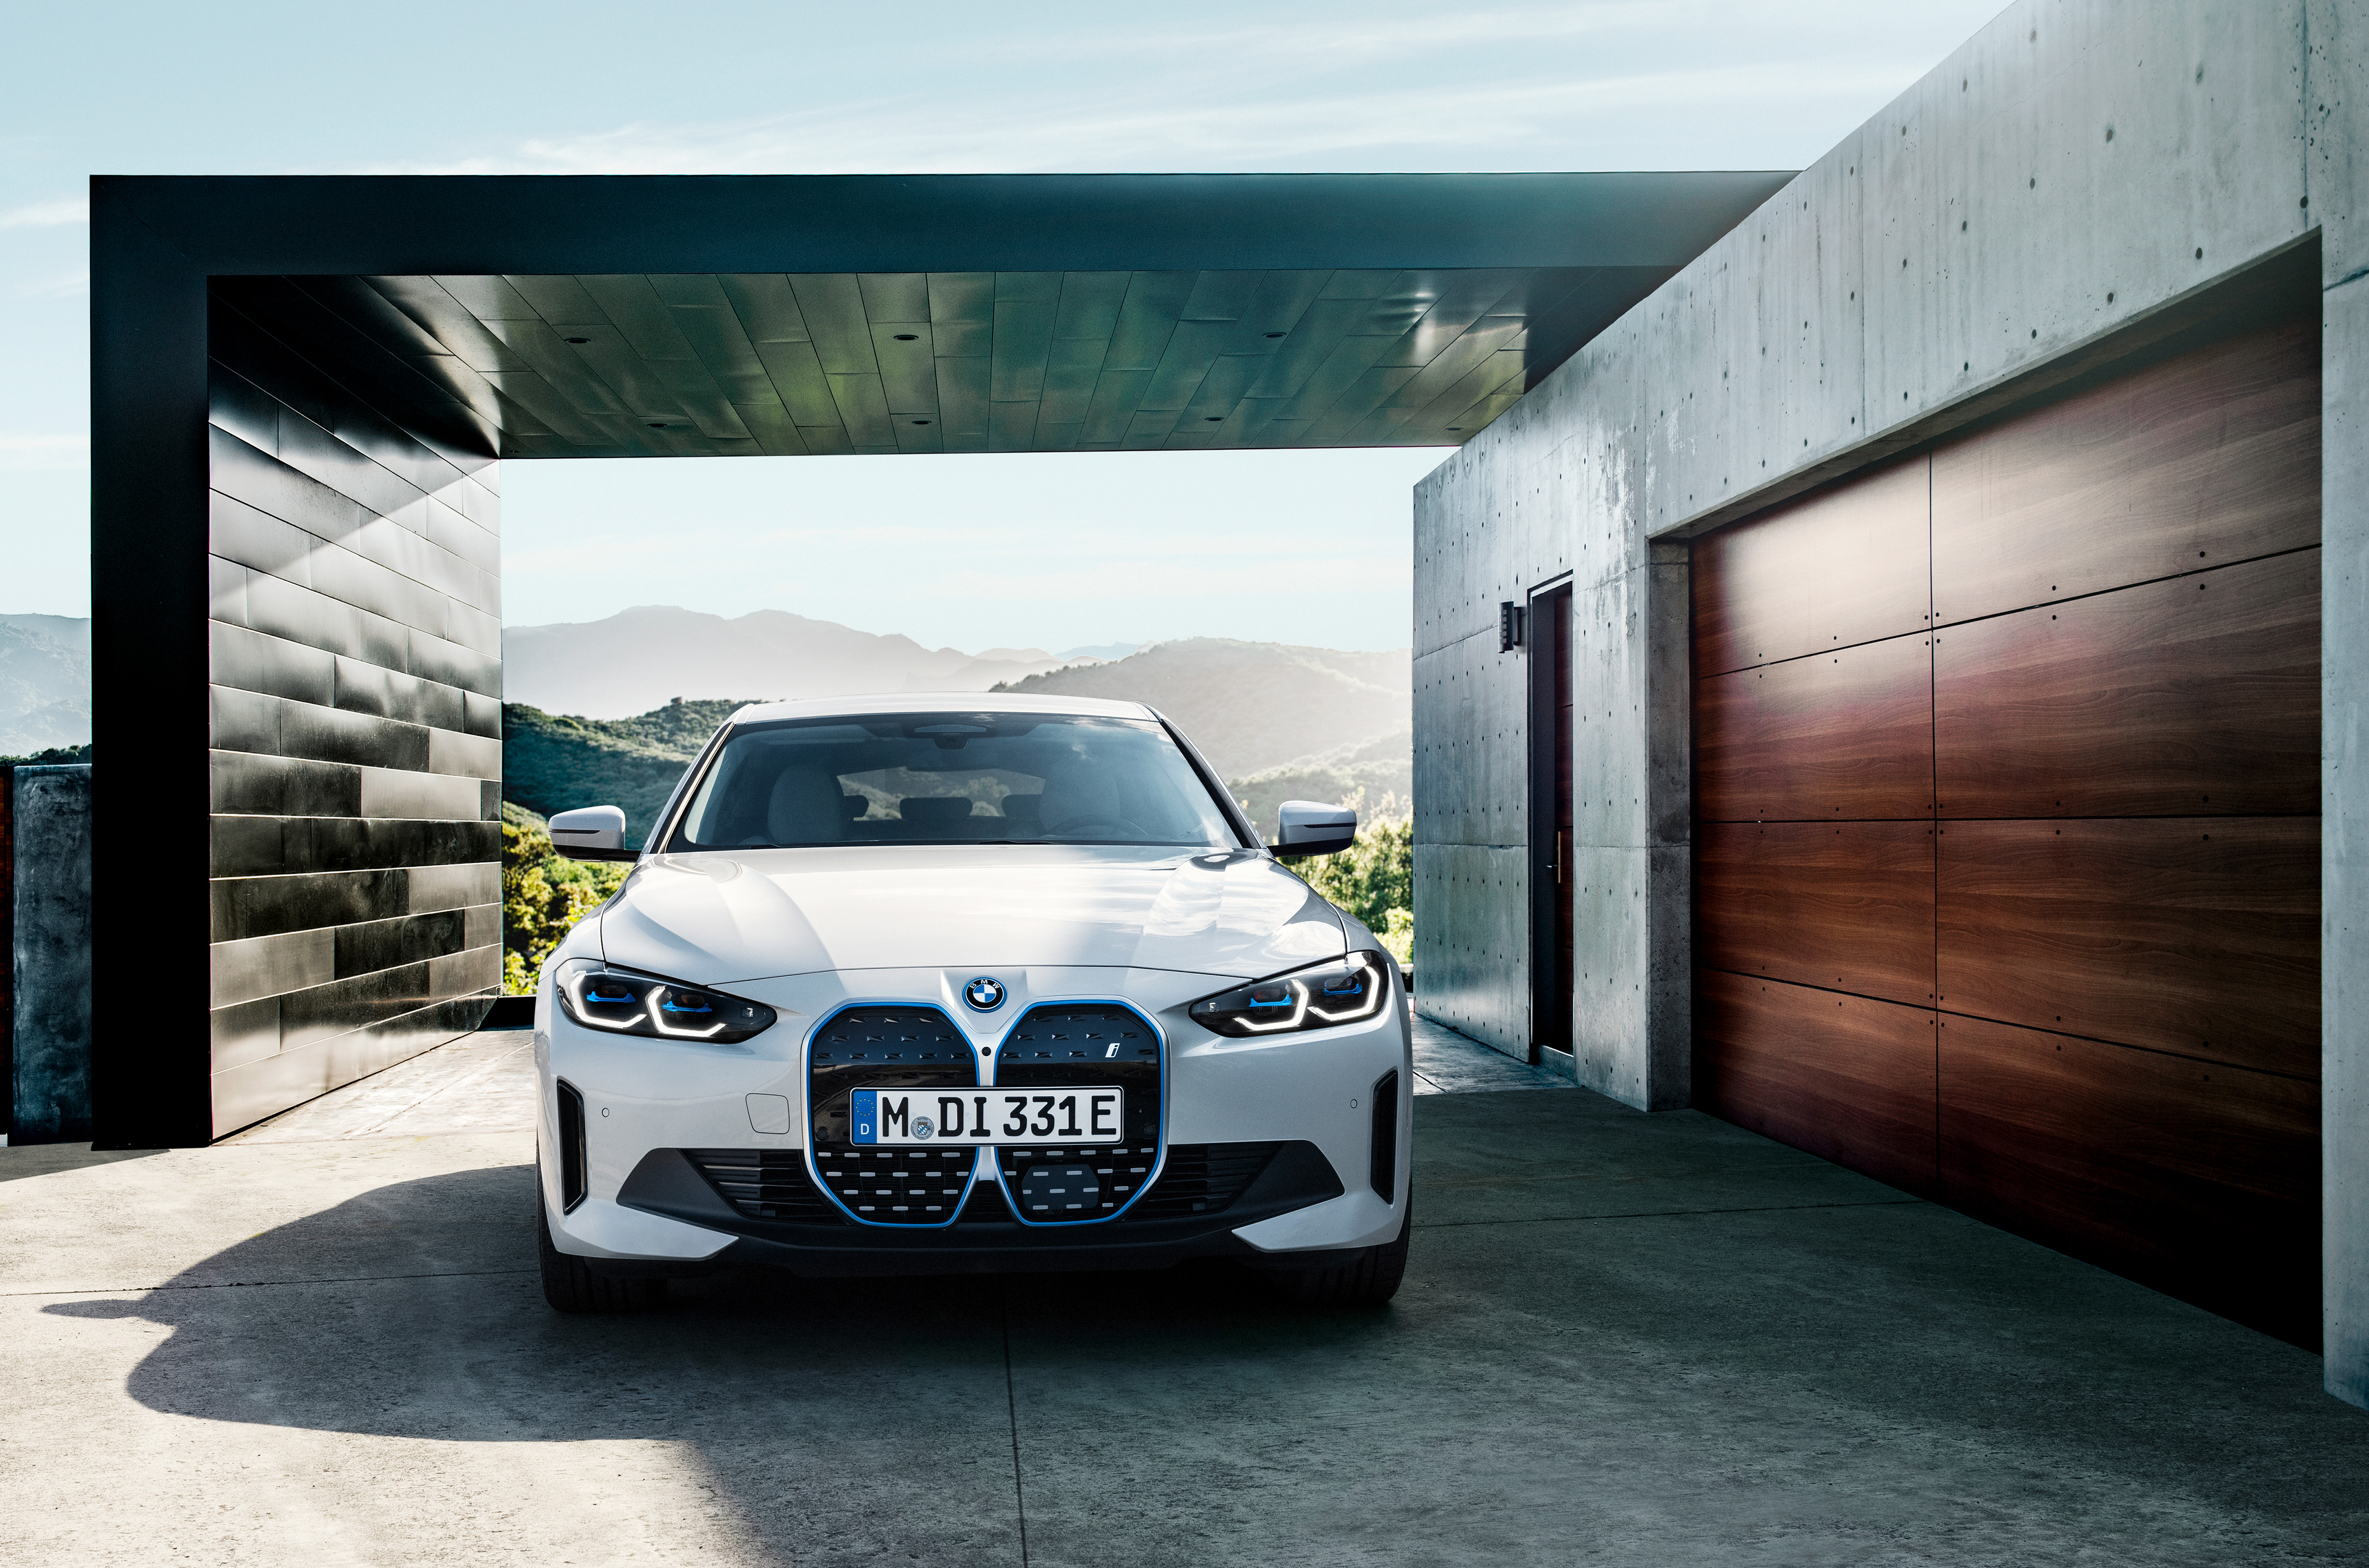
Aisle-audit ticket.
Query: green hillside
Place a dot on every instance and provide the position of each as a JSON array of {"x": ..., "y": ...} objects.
[{"x": 556, "y": 762}]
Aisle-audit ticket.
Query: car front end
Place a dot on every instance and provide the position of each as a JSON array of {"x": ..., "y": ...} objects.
[{"x": 884, "y": 1055}]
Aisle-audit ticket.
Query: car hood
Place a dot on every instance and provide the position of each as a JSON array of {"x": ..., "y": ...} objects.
[{"x": 761, "y": 913}]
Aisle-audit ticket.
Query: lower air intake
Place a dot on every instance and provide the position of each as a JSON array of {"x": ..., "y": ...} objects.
[
  {"x": 765, "y": 1184},
  {"x": 1203, "y": 1178}
]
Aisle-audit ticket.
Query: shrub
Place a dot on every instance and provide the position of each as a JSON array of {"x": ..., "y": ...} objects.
[
  {"x": 1374, "y": 878},
  {"x": 544, "y": 895}
]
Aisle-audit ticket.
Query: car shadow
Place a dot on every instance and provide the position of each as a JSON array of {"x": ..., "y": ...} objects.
[{"x": 819, "y": 1407}]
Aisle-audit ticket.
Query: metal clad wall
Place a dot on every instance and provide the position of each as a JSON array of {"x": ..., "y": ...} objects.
[
  {"x": 2020, "y": 911},
  {"x": 51, "y": 957},
  {"x": 355, "y": 686}
]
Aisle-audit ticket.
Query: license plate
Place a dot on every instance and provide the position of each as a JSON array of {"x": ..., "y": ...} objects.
[{"x": 907, "y": 1118}]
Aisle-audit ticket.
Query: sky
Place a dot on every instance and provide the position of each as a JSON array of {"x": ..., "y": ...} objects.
[{"x": 1016, "y": 550}]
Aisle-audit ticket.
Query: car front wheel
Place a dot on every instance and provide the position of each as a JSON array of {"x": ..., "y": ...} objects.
[{"x": 570, "y": 1286}]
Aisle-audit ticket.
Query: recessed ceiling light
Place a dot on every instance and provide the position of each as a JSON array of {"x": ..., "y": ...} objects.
[
  {"x": 657, "y": 424},
  {"x": 1275, "y": 334},
  {"x": 907, "y": 336},
  {"x": 1215, "y": 419},
  {"x": 579, "y": 340},
  {"x": 921, "y": 421}
]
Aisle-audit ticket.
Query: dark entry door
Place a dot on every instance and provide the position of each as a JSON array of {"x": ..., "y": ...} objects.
[{"x": 1551, "y": 819}]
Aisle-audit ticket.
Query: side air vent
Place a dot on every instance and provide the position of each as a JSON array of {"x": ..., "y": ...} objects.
[
  {"x": 1202, "y": 1178},
  {"x": 572, "y": 1186},
  {"x": 765, "y": 1184},
  {"x": 1385, "y": 1174}
]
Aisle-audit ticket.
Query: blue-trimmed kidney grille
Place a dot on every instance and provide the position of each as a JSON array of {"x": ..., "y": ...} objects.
[
  {"x": 1082, "y": 1045},
  {"x": 890, "y": 1047}
]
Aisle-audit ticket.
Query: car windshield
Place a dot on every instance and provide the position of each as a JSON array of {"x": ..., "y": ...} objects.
[{"x": 953, "y": 778}]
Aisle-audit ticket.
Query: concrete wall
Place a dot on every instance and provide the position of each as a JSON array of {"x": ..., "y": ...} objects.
[
  {"x": 2076, "y": 171},
  {"x": 355, "y": 681},
  {"x": 51, "y": 959}
]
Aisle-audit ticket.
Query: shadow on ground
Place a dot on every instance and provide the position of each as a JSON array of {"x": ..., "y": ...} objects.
[{"x": 1624, "y": 1339}]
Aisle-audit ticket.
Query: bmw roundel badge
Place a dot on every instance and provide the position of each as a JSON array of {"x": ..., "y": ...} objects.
[{"x": 985, "y": 994}]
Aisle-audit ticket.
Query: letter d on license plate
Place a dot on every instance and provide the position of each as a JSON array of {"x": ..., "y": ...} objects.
[{"x": 903, "y": 1117}]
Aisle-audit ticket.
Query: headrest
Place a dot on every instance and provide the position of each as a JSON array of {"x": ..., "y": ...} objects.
[{"x": 805, "y": 808}]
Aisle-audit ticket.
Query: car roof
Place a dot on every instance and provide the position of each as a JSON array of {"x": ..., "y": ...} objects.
[{"x": 941, "y": 701}]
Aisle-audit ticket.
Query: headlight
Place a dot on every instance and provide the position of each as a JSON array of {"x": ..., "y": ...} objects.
[
  {"x": 623, "y": 1002},
  {"x": 1342, "y": 991}
]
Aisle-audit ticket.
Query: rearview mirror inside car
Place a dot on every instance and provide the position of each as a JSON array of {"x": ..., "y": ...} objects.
[
  {"x": 591, "y": 832},
  {"x": 1306, "y": 828}
]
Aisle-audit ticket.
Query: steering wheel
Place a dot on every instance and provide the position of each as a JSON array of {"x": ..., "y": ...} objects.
[{"x": 1119, "y": 825}]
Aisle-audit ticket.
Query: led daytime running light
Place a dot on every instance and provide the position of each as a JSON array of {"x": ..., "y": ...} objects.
[
  {"x": 622, "y": 1003},
  {"x": 1305, "y": 999}
]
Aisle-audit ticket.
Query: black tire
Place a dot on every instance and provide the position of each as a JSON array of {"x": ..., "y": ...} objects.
[
  {"x": 570, "y": 1286},
  {"x": 1370, "y": 1280}
]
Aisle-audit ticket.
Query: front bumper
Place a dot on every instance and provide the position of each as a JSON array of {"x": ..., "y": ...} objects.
[{"x": 653, "y": 1111}]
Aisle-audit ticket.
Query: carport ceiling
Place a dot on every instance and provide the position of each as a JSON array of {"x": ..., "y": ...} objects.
[
  {"x": 782, "y": 364},
  {"x": 661, "y": 317}
]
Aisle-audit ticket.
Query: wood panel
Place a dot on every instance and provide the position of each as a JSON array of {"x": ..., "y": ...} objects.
[
  {"x": 1846, "y": 566},
  {"x": 1847, "y": 905},
  {"x": 2209, "y": 458},
  {"x": 2199, "y": 1178},
  {"x": 2193, "y": 696},
  {"x": 2187, "y": 934},
  {"x": 1846, "y": 1079},
  {"x": 1837, "y": 737}
]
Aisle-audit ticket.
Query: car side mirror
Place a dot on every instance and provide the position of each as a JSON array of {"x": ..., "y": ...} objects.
[
  {"x": 591, "y": 832},
  {"x": 1306, "y": 828}
]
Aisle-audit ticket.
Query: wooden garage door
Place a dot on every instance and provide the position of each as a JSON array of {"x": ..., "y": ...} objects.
[{"x": 2007, "y": 849}]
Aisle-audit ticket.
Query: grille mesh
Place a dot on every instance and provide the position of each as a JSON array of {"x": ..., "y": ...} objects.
[
  {"x": 1116, "y": 1174},
  {"x": 913, "y": 1047},
  {"x": 909, "y": 1186}
]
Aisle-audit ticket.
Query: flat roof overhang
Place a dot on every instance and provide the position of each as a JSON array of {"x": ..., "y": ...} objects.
[{"x": 665, "y": 315}]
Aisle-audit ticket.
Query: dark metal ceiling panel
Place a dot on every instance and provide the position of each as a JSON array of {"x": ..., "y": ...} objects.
[{"x": 657, "y": 316}]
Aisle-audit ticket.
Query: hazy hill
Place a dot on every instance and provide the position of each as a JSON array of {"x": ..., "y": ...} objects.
[
  {"x": 44, "y": 683},
  {"x": 1381, "y": 769},
  {"x": 639, "y": 658},
  {"x": 1251, "y": 706}
]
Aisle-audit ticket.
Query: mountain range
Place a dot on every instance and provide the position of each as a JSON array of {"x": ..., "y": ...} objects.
[
  {"x": 44, "y": 683},
  {"x": 639, "y": 659}
]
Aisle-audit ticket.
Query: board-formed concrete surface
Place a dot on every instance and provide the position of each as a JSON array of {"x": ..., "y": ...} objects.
[{"x": 1624, "y": 1339}]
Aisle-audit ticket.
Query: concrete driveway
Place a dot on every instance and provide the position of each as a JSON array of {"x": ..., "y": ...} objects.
[{"x": 1624, "y": 1339}]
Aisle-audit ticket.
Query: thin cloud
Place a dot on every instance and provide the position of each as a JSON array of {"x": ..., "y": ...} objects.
[
  {"x": 26, "y": 452},
  {"x": 1507, "y": 123},
  {"x": 48, "y": 214}
]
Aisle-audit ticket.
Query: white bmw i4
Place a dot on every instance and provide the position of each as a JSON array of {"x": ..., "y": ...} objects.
[{"x": 965, "y": 984}]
